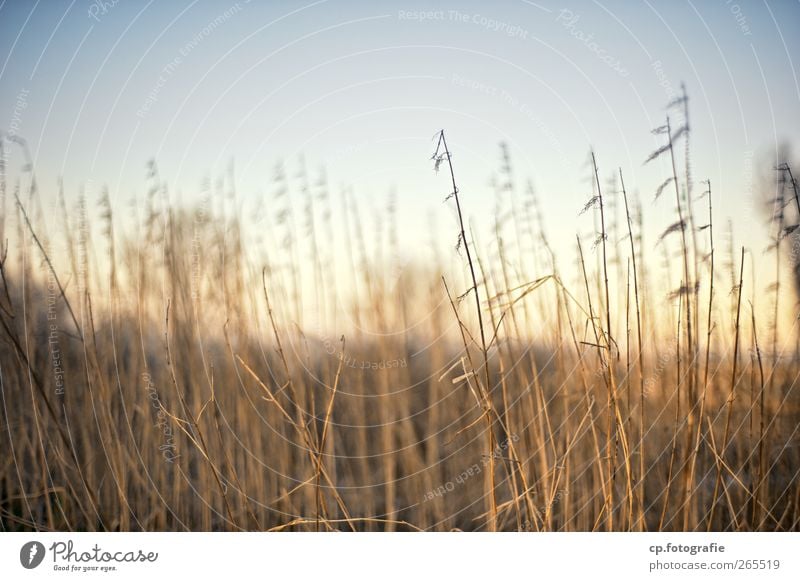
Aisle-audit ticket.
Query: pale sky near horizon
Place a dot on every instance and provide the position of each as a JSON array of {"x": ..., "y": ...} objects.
[{"x": 98, "y": 88}]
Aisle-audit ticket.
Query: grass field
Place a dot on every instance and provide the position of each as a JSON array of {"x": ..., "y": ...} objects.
[{"x": 193, "y": 368}]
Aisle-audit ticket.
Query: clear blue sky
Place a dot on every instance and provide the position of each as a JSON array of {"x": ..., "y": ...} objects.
[{"x": 99, "y": 88}]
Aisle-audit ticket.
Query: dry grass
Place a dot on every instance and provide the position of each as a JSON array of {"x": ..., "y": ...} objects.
[{"x": 209, "y": 372}]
